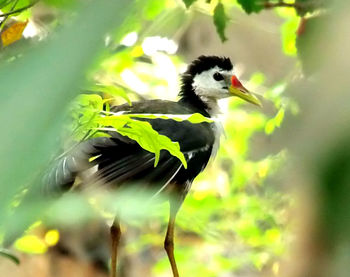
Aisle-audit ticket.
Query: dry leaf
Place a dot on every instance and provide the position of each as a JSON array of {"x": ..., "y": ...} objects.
[{"x": 13, "y": 33}]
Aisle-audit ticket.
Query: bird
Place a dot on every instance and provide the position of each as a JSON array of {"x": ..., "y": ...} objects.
[{"x": 120, "y": 161}]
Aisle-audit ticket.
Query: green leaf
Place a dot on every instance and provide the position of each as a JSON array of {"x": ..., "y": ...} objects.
[
  {"x": 92, "y": 101},
  {"x": 4, "y": 3},
  {"x": 61, "y": 3},
  {"x": 19, "y": 4},
  {"x": 143, "y": 133},
  {"x": 250, "y": 6},
  {"x": 112, "y": 90},
  {"x": 153, "y": 8},
  {"x": 84, "y": 110},
  {"x": 116, "y": 121},
  {"x": 188, "y": 3},
  {"x": 6, "y": 253},
  {"x": 279, "y": 117},
  {"x": 257, "y": 79},
  {"x": 288, "y": 30},
  {"x": 274, "y": 122},
  {"x": 220, "y": 20},
  {"x": 193, "y": 118},
  {"x": 198, "y": 118},
  {"x": 270, "y": 127}
]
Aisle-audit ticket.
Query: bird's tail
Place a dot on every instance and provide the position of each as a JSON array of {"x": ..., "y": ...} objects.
[
  {"x": 62, "y": 173},
  {"x": 59, "y": 178}
]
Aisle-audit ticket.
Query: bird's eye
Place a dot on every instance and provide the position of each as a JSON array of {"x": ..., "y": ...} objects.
[{"x": 217, "y": 76}]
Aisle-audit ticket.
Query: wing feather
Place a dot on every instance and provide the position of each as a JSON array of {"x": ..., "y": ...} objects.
[{"x": 121, "y": 161}]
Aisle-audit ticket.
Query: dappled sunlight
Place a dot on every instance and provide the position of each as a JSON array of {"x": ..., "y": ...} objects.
[{"x": 279, "y": 167}]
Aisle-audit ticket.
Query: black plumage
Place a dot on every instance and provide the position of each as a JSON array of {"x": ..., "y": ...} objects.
[
  {"x": 116, "y": 154},
  {"x": 122, "y": 162}
]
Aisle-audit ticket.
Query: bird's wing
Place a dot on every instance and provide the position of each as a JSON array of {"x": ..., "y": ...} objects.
[
  {"x": 121, "y": 170},
  {"x": 118, "y": 160},
  {"x": 126, "y": 162}
]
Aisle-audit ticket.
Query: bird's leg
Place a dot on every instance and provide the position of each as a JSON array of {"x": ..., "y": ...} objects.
[
  {"x": 115, "y": 236},
  {"x": 169, "y": 238}
]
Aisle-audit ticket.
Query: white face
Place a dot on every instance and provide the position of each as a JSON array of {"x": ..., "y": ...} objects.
[{"x": 206, "y": 85}]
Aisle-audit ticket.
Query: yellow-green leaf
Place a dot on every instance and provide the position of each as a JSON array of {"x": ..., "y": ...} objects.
[
  {"x": 52, "y": 237},
  {"x": 279, "y": 117},
  {"x": 31, "y": 244},
  {"x": 270, "y": 126},
  {"x": 289, "y": 29},
  {"x": 143, "y": 133},
  {"x": 193, "y": 118},
  {"x": 116, "y": 121},
  {"x": 257, "y": 78},
  {"x": 112, "y": 90}
]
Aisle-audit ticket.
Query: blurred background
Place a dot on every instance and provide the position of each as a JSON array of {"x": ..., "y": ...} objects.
[{"x": 275, "y": 200}]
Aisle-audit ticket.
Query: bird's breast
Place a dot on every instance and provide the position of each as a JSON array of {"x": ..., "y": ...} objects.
[{"x": 218, "y": 130}]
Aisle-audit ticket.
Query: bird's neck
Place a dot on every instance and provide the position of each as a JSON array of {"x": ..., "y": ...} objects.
[
  {"x": 204, "y": 105},
  {"x": 212, "y": 105}
]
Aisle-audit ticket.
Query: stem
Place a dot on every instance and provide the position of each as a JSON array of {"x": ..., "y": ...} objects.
[
  {"x": 6, "y": 17},
  {"x": 19, "y": 10},
  {"x": 269, "y": 5}
]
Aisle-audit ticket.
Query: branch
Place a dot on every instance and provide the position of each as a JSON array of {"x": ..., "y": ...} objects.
[
  {"x": 269, "y": 5},
  {"x": 6, "y": 17},
  {"x": 18, "y": 10}
]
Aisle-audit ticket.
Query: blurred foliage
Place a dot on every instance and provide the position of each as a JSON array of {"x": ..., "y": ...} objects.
[
  {"x": 237, "y": 216},
  {"x": 6, "y": 253},
  {"x": 220, "y": 19},
  {"x": 13, "y": 33},
  {"x": 40, "y": 98},
  {"x": 251, "y": 5}
]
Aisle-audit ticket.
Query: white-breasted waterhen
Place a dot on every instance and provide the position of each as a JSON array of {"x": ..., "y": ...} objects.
[{"x": 121, "y": 161}]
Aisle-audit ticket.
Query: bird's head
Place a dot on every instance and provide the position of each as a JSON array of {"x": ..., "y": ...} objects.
[{"x": 211, "y": 78}]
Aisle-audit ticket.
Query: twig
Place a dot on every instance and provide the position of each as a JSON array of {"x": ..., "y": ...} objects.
[
  {"x": 6, "y": 17},
  {"x": 269, "y": 5},
  {"x": 19, "y": 10}
]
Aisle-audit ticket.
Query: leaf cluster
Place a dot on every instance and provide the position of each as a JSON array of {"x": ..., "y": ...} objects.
[
  {"x": 234, "y": 204},
  {"x": 221, "y": 19},
  {"x": 91, "y": 120}
]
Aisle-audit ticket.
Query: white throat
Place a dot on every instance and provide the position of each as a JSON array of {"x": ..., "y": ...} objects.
[{"x": 212, "y": 104}]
